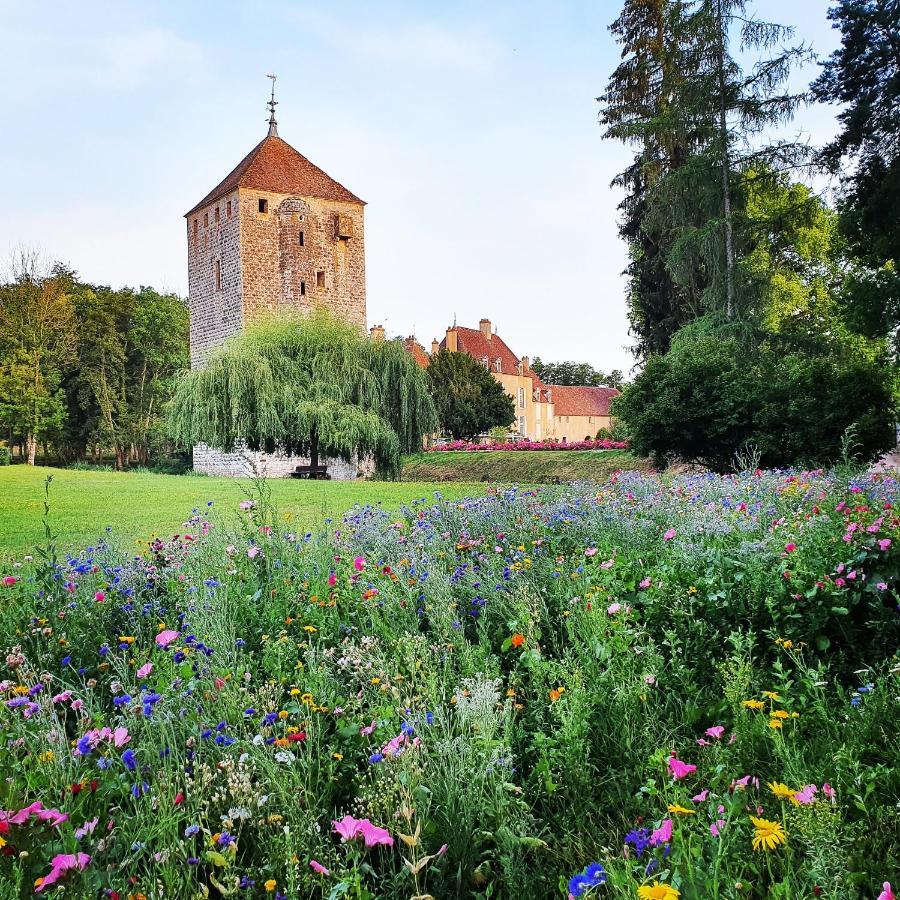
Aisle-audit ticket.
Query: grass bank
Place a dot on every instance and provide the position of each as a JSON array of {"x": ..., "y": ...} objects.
[
  {"x": 530, "y": 467},
  {"x": 140, "y": 505}
]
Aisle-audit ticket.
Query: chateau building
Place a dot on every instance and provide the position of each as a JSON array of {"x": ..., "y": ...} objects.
[
  {"x": 543, "y": 412},
  {"x": 276, "y": 234}
]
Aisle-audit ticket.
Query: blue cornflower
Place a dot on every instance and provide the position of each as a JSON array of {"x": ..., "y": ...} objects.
[
  {"x": 376, "y": 758},
  {"x": 595, "y": 873},
  {"x": 130, "y": 760},
  {"x": 249, "y": 711},
  {"x": 429, "y": 718},
  {"x": 269, "y": 718},
  {"x": 578, "y": 884},
  {"x": 639, "y": 839},
  {"x": 84, "y": 746},
  {"x": 65, "y": 660},
  {"x": 103, "y": 763},
  {"x": 225, "y": 839},
  {"x": 191, "y": 830},
  {"x": 121, "y": 700}
]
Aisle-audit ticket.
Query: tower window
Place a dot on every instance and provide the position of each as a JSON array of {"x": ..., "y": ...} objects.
[
  {"x": 216, "y": 216},
  {"x": 218, "y": 275},
  {"x": 301, "y": 240},
  {"x": 206, "y": 220},
  {"x": 263, "y": 205},
  {"x": 302, "y": 288},
  {"x": 228, "y": 210},
  {"x": 195, "y": 229},
  {"x": 320, "y": 279}
]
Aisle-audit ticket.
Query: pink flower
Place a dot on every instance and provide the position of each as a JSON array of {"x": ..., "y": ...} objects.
[
  {"x": 884, "y": 543},
  {"x": 9, "y": 580},
  {"x": 61, "y": 864},
  {"x": 443, "y": 850},
  {"x": 76, "y": 704},
  {"x": 145, "y": 670},
  {"x": 368, "y": 729},
  {"x": 680, "y": 769},
  {"x": 87, "y": 828},
  {"x": 318, "y": 868},
  {"x": 346, "y": 828},
  {"x": 881, "y": 586},
  {"x": 164, "y": 638},
  {"x": 829, "y": 792},
  {"x": 253, "y": 552},
  {"x": 715, "y": 732},
  {"x": 247, "y": 504},
  {"x": 645, "y": 582},
  {"x": 663, "y": 834},
  {"x": 716, "y": 827},
  {"x": 359, "y": 563},
  {"x": 790, "y": 548},
  {"x": 332, "y": 580},
  {"x": 99, "y": 597},
  {"x": 807, "y": 795},
  {"x": 699, "y": 798},
  {"x": 613, "y": 608},
  {"x": 373, "y": 835},
  {"x": 64, "y": 697},
  {"x": 669, "y": 534},
  {"x": 887, "y": 893},
  {"x": 591, "y": 551},
  {"x": 120, "y": 737}
]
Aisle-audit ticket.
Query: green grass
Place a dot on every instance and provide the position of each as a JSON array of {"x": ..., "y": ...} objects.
[
  {"x": 527, "y": 467},
  {"x": 138, "y": 505}
]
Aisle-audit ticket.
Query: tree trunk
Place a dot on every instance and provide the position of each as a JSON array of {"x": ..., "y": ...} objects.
[
  {"x": 121, "y": 458},
  {"x": 314, "y": 447},
  {"x": 726, "y": 181},
  {"x": 30, "y": 449}
]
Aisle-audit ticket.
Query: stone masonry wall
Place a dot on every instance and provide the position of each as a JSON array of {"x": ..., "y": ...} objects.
[
  {"x": 280, "y": 273},
  {"x": 244, "y": 463},
  {"x": 216, "y": 312}
]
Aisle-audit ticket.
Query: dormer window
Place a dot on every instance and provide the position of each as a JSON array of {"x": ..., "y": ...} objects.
[
  {"x": 486, "y": 363},
  {"x": 498, "y": 365}
]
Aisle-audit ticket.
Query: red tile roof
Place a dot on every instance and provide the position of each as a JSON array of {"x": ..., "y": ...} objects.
[
  {"x": 581, "y": 401},
  {"x": 473, "y": 342},
  {"x": 417, "y": 352},
  {"x": 274, "y": 165}
]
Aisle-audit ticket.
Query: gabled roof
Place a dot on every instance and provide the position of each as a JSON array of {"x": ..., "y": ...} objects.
[
  {"x": 274, "y": 165},
  {"x": 581, "y": 401},
  {"x": 473, "y": 342},
  {"x": 417, "y": 352}
]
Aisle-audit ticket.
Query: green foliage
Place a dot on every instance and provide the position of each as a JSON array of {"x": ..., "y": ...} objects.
[
  {"x": 307, "y": 386},
  {"x": 572, "y": 373},
  {"x": 863, "y": 76},
  {"x": 5, "y": 456},
  {"x": 725, "y": 387},
  {"x": 468, "y": 399}
]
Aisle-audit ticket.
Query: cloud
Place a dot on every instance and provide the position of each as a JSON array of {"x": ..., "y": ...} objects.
[
  {"x": 422, "y": 44},
  {"x": 125, "y": 61}
]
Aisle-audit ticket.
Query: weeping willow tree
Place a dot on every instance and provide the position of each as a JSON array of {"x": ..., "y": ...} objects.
[{"x": 313, "y": 387}]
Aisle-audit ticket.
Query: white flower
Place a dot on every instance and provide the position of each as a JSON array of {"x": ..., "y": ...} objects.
[
  {"x": 284, "y": 756},
  {"x": 258, "y": 740}
]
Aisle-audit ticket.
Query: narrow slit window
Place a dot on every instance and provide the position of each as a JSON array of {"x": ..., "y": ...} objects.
[
  {"x": 216, "y": 216},
  {"x": 263, "y": 205},
  {"x": 320, "y": 279},
  {"x": 301, "y": 240},
  {"x": 195, "y": 229},
  {"x": 218, "y": 275},
  {"x": 302, "y": 288},
  {"x": 206, "y": 220},
  {"x": 228, "y": 210}
]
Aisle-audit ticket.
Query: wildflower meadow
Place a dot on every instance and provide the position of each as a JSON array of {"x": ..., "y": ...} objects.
[{"x": 655, "y": 688}]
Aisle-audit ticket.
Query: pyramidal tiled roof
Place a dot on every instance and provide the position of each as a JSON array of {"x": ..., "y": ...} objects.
[{"x": 274, "y": 165}]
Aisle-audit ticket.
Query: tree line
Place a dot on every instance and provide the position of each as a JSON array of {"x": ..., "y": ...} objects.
[
  {"x": 764, "y": 318},
  {"x": 84, "y": 369}
]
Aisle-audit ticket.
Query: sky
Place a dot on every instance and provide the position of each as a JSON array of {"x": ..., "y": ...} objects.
[{"x": 469, "y": 128}]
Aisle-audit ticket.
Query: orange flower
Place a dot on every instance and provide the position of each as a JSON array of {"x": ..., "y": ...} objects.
[{"x": 517, "y": 639}]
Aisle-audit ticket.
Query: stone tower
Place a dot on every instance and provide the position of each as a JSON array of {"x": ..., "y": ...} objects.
[{"x": 277, "y": 234}]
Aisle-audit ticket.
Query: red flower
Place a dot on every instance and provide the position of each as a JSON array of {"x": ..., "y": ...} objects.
[
  {"x": 95, "y": 783},
  {"x": 179, "y": 798},
  {"x": 297, "y": 736},
  {"x": 76, "y": 788}
]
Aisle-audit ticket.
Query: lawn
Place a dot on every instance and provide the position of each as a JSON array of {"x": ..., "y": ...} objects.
[
  {"x": 524, "y": 467},
  {"x": 138, "y": 505}
]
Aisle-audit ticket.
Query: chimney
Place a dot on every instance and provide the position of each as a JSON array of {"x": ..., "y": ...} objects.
[
  {"x": 435, "y": 346},
  {"x": 451, "y": 340},
  {"x": 485, "y": 327},
  {"x": 526, "y": 363},
  {"x": 377, "y": 332}
]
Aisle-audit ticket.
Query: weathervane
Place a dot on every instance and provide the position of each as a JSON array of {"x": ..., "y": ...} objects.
[{"x": 273, "y": 125}]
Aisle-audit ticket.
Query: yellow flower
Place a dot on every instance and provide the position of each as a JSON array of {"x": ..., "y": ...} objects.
[
  {"x": 338, "y": 756},
  {"x": 2, "y": 843},
  {"x": 782, "y": 791},
  {"x": 283, "y": 714},
  {"x": 767, "y": 835},
  {"x": 126, "y": 639},
  {"x": 677, "y": 810},
  {"x": 753, "y": 704},
  {"x": 775, "y": 723},
  {"x": 270, "y": 885},
  {"x": 310, "y": 628},
  {"x": 658, "y": 891},
  {"x": 779, "y": 714},
  {"x": 306, "y": 698},
  {"x": 771, "y": 695},
  {"x": 556, "y": 693}
]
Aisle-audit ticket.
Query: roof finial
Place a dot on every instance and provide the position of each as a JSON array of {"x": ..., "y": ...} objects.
[{"x": 273, "y": 125}]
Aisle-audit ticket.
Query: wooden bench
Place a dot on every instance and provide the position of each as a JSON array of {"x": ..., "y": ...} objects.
[{"x": 317, "y": 473}]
